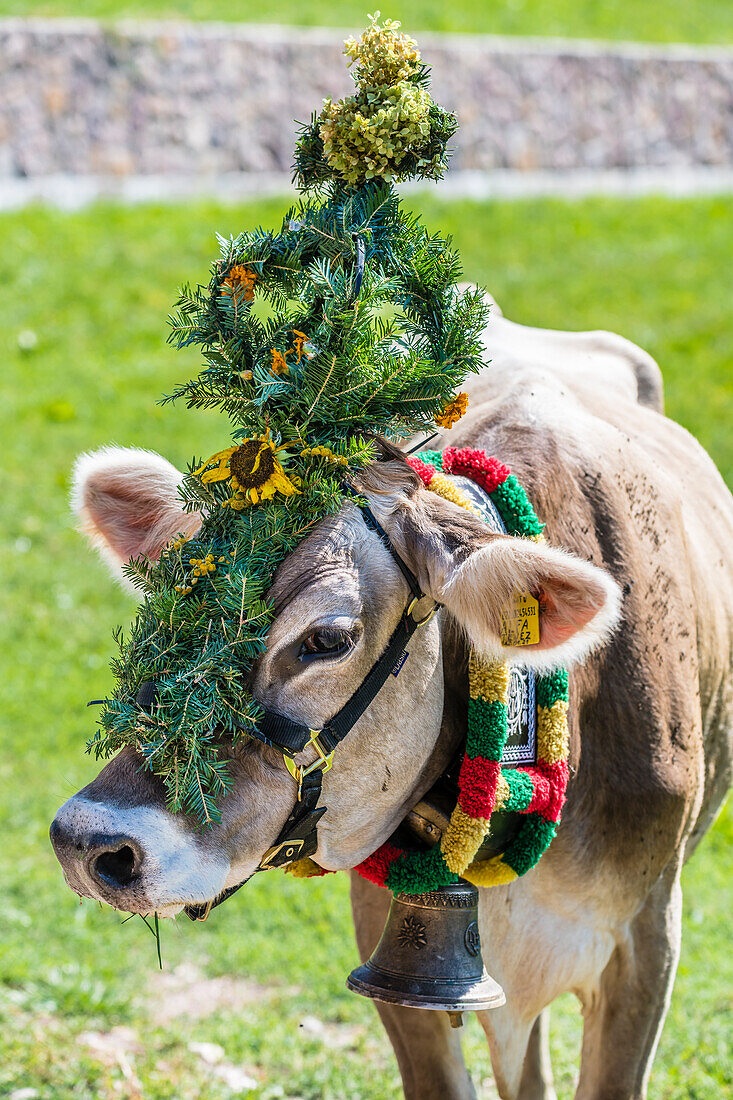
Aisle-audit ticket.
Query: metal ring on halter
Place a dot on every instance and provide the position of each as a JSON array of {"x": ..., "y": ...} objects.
[
  {"x": 414, "y": 602},
  {"x": 324, "y": 761}
]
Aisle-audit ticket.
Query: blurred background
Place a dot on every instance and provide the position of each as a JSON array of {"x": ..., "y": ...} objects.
[{"x": 591, "y": 187}]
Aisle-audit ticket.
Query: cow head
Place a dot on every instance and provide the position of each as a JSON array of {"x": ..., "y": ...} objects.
[{"x": 337, "y": 599}]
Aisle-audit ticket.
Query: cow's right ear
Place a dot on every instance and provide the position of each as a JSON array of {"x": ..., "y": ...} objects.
[{"x": 127, "y": 503}]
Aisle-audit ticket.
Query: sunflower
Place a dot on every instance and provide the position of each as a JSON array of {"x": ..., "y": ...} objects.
[{"x": 254, "y": 470}]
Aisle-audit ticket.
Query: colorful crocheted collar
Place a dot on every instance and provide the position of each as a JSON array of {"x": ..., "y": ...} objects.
[{"x": 485, "y": 783}]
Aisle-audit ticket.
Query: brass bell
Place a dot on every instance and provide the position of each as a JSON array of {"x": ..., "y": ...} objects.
[{"x": 429, "y": 955}]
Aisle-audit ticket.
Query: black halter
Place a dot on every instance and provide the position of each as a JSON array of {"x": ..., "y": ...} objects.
[{"x": 298, "y": 836}]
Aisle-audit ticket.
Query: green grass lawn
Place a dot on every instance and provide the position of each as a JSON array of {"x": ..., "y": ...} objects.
[
  {"x": 83, "y": 1011},
  {"x": 650, "y": 21}
]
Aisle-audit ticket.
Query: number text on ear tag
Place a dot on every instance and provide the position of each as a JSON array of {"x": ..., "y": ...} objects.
[{"x": 520, "y": 621}]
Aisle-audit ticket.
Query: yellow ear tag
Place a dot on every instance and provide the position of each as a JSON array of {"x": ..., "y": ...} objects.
[{"x": 520, "y": 621}]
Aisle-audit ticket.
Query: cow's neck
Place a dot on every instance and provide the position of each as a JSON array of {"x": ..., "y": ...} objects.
[{"x": 431, "y": 812}]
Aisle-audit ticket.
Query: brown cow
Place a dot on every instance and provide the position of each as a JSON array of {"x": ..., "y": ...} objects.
[{"x": 578, "y": 418}]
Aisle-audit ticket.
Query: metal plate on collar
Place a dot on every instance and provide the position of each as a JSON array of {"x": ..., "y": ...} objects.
[
  {"x": 521, "y": 738},
  {"x": 521, "y": 742},
  {"x": 281, "y": 854}
]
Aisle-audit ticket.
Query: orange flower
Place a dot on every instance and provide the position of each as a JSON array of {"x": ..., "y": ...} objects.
[
  {"x": 451, "y": 413},
  {"x": 279, "y": 363},
  {"x": 240, "y": 277},
  {"x": 299, "y": 339}
]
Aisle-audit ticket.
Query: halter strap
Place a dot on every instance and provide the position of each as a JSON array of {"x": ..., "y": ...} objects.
[
  {"x": 291, "y": 737},
  {"x": 298, "y": 837}
]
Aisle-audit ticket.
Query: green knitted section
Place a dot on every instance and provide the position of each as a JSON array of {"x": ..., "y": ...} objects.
[
  {"x": 516, "y": 511},
  {"x": 418, "y": 872},
  {"x": 486, "y": 729},
  {"x": 432, "y": 458},
  {"x": 529, "y": 843},
  {"x": 521, "y": 789},
  {"x": 552, "y": 687}
]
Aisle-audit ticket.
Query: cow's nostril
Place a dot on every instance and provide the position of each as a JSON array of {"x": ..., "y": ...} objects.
[{"x": 118, "y": 868}]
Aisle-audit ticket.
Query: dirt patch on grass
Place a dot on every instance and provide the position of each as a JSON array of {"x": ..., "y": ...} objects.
[
  {"x": 116, "y": 1049},
  {"x": 332, "y": 1035},
  {"x": 187, "y": 992}
]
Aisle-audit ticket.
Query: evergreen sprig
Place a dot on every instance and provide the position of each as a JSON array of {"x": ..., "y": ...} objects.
[{"x": 343, "y": 325}]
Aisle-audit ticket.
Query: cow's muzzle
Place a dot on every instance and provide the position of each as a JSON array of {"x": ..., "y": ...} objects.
[
  {"x": 136, "y": 858},
  {"x": 96, "y": 862},
  {"x": 113, "y": 861}
]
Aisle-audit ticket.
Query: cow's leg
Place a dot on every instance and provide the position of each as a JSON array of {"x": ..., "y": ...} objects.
[
  {"x": 536, "y": 1082},
  {"x": 509, "y": 1033},
  {"x": 623, "y": 1021},
  {"x": 428, "y": 1049}
]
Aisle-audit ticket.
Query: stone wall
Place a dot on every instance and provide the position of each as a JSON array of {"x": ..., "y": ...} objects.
[{"x": 207, "y": 99}]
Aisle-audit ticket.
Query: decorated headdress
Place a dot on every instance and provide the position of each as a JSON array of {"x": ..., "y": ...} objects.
[{"x": 344, "y": 325}]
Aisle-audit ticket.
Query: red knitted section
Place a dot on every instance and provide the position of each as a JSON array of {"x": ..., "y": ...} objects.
[
  {"x": 485, "y": 470},
  {"x": 376, "y": 867},
  {"x": 541, "y": 795},
  {"x": 425, "y": 473},
  {"x": 550, "y": 781},
  {"x": 477, "y": 785}
]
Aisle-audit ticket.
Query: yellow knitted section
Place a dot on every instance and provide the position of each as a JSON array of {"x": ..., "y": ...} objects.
[
  {"x": 502, "y": 792},
  {"x": 462, "y": 839},
  {"x": 445, "y": 488},
  {"x": 552, "y": 732},
  {"x": 490, "y": 681},
  {"x": 490, "y": 872},
  {"x": 303, "y": 868}
]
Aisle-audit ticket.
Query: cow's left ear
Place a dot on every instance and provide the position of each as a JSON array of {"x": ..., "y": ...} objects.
[
  {"x": 579, "y": 604},
  {"x": 475, "y": 574}
]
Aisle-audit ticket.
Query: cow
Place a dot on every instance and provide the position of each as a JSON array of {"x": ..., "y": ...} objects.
[{"x": 638, "y": 591}]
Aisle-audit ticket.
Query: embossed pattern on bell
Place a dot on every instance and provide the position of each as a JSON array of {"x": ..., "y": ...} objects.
[{"x": 429, "y": 955}]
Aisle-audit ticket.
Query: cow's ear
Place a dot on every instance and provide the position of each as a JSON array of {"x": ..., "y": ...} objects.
[
  {"x": 476, "y": 574},
  {"x": 578, "y": 602},
  {"x": 127, "y": 503}
]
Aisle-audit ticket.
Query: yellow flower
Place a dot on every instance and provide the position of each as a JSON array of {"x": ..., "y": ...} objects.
[
  {"x": 279, "y": 363},
  {"x": 202, "y": 566},
  {"x": 254, "y": 470},
  {"x": 240, "y": 277},
  {"x": 453, "y": 411},
  {"x": 325, "y": 452},
  {"x": 175, "y": 544}
]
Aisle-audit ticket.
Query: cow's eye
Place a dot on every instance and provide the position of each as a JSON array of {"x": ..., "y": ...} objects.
[{"x": 327, "y": 642}]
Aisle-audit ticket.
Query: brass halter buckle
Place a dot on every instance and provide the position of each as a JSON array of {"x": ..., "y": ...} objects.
[{"x": 324, "y": 761}]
